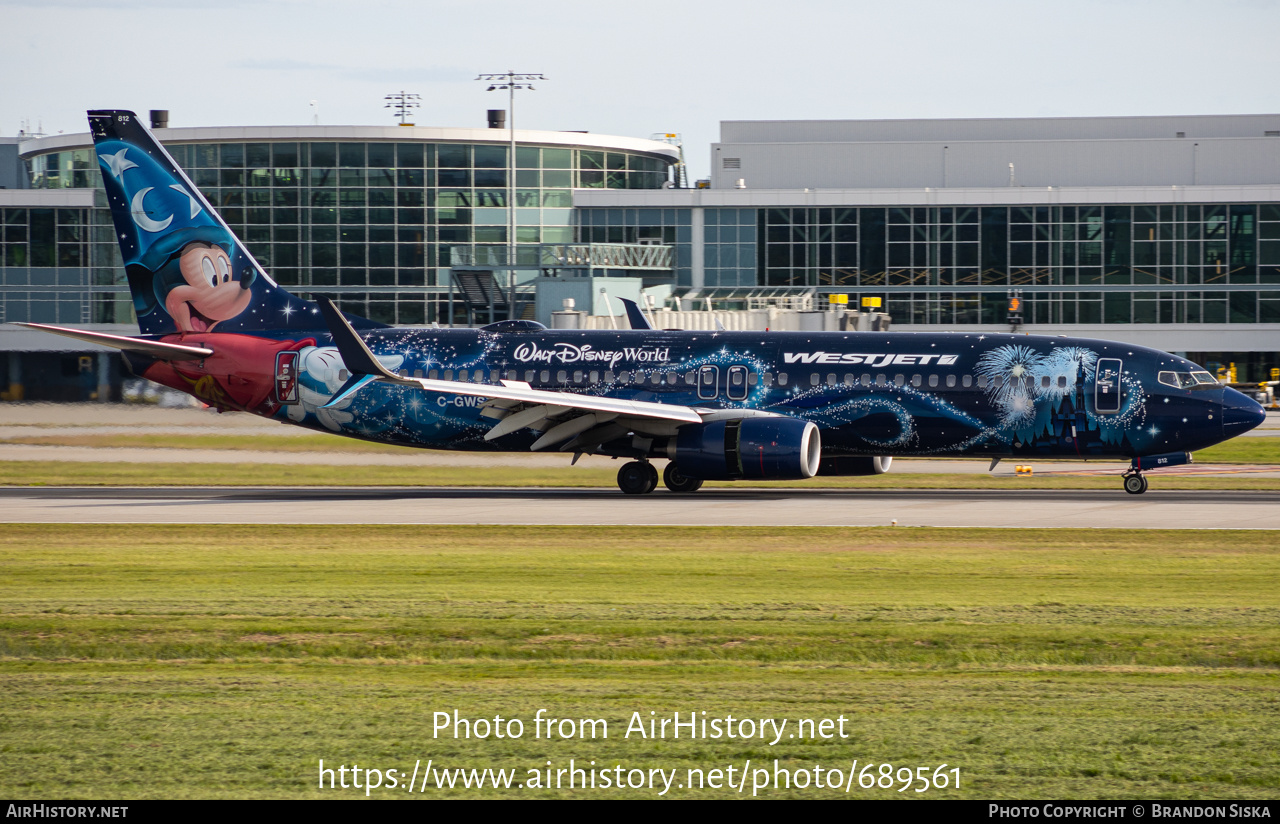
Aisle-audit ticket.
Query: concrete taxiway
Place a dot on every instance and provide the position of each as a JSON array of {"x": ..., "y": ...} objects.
[{"x": 1020, "y": 509}]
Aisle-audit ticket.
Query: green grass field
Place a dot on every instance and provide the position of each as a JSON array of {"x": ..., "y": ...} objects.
[{"x": 160, "y": 661}]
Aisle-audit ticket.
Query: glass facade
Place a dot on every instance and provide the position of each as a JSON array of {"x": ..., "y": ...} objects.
[
  {"x": 370, "y": 223},
  {"x": 729, "y": 255},
  {"x": 46, "y": 270},
  {"x": 1166, "y": 263},
  {"x": 672, "y": 227}
]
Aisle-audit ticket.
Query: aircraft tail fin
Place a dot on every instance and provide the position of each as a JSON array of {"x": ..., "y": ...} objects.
[{"x": 187, "y": 270}]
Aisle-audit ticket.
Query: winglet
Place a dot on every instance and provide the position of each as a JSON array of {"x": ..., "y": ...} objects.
[
  {"x": 360, "y": 362},
  {"x": 355, "y": 353},
  {"x": 635, "y": 316}
]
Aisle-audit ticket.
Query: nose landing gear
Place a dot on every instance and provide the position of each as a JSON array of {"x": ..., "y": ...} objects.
[
  {"x": 637, "y": 478},
  {"x": 1135, "y": 483}
]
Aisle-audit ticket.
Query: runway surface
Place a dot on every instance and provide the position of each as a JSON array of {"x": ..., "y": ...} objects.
[{"x": 1107, "y": 509}]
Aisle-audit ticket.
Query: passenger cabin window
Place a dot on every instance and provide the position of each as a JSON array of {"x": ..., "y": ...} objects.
[
  {"x": 417, "y": 373},
  {"x": 448, "y": 374},
  {"x": 562, "y": 376},
  {"x": 814, "y": 379},
  {"x": 595, "y": 376},
  {"x": 866, "y": 380},
  {"x": 899, "y": 380},
  {"x": 881, "y": 380},
  {"x": 982, "y": 381},
  {"x": 849, "y": 380},
  {"x": 967, "y": 381},
  {"x": 545, "y": 376},
  {"x": 933, "y": 381},
  {"x": 434, "y": 374},
  {"x": 767, "y": 378},
  {"x": 917, "y": 381},
  {"x": 951, "y": 381},
  {"x": 1062, "y": 381},
  {"x": 782, "y": 379},
  {"x": 528, "y": 376},
  {"x": 831, "y": 379},
  {"x": 624, "y": 377},
  {"x": 1044, "y": 381}
]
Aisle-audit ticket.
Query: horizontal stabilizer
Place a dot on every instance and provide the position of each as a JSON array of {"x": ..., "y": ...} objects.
[
  {"x": 353, "y": 385},
  {"x": 150, "y": 348},
  {"x": 355, "y": 353}
]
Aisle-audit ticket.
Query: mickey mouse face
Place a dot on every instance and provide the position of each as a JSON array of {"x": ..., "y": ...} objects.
[{"x": 212, "y": 293}]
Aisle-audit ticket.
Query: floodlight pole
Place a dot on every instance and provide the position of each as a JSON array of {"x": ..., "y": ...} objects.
[{"x": 511, "y": 81}]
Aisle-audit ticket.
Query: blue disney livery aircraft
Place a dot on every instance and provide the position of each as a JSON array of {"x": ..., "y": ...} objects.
[{"x": 717, "y": 405}]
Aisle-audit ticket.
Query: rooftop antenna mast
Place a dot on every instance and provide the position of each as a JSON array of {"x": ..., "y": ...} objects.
[{"x": 402, "y": 102}]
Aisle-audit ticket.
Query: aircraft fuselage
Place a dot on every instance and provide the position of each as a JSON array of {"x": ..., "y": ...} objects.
[{"x": 869, "y": 393}]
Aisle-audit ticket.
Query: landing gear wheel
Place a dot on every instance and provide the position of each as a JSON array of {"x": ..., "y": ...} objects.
[
  {"x": 677, "y": 482},
  {"x": 1135, "y": 484},
  {"x": 637, "y": 478}
]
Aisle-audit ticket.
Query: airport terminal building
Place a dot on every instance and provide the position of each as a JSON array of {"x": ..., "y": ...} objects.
[{"x": 1163, "y": 231}]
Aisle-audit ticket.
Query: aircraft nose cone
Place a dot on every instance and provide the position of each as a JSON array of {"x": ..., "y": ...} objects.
[{"x": 1240, "y": 413}]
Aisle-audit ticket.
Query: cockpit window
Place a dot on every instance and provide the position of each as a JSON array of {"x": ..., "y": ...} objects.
[
  {"x": 1203, "y": 378},
  {"x": 1187, "y": 380}
]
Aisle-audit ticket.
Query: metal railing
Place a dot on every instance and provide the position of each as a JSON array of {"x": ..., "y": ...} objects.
[{"x": 639, "y": 256}]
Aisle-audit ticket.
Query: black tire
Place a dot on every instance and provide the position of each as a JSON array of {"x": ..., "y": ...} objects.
[
  {"x": 637, "y": 478},
  {"x": 653, "y": 477},
  {"x": 1135, "y": 484},
  {"x": 676, "y": 482}
]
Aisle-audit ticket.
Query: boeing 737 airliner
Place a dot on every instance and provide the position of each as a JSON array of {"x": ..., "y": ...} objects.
[{"x": 717, "y": 405}]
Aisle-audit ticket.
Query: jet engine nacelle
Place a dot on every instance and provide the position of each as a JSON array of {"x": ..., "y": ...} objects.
[
  {"x": 856, "y": 465},
  {"x": 758, "y": 448}
]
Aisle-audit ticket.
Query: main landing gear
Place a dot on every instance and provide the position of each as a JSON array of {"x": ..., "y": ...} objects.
[
  {"x": 640, "y": 478},
  {"x": 637, "y": 478},
  {"x": 676, "y": 482},
  {"x": 1135, "y": 483}
]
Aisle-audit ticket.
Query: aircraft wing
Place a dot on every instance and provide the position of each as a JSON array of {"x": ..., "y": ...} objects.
[
  {"x": 151, "y": 348},
  {"x": 566, "y": 418}
]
